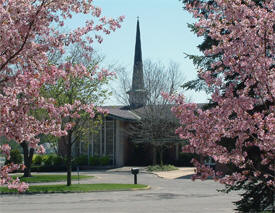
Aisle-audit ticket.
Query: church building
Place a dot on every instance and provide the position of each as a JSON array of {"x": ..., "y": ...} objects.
[{"x": 113, "y": 139}]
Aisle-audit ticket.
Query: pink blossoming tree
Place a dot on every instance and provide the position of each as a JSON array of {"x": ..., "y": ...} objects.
[
  {"x": 238, "y": 129},
  {"x": 27, "y": 35}
]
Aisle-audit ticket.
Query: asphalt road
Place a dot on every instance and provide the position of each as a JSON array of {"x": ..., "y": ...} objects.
[{"x": 165, "y": 196}]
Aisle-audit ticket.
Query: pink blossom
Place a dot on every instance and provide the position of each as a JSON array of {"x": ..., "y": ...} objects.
[
  {"x": 102, "y": 110},
  {"x": 244, "y": 55},
  {"x": 41, "y": 149},
  {"x": 25, "y": 67}
]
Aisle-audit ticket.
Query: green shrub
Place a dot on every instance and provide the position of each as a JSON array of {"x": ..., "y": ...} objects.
[
  {"x": 49, "y": 163},
  {"x": 104, "y": 161},
  {"x": 99, "y": 161},
  {"x": 94, "y": 161},
  {"x": 47, "y": 160},
  {"x": 15, "y": 157},
  {"x": 37, "y": 159},
  {"x": 82, "y": 160},
  {"x": 37, "y": 168},
  {"x": 58, "y": 160}
]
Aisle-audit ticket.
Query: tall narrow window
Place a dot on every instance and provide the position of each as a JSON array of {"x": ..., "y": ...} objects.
[
  {"x": 109, "y": 137},
  {"x": 103, "y": 141},
  {"x": 96, "y": 143}
]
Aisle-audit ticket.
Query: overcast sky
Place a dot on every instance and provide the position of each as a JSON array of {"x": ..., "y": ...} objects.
[{"x": 164, "y": 35}]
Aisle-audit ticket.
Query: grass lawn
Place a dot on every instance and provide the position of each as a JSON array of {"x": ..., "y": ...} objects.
[
  {"x": 49, "y": 178},
  {"x": 75, "y": 188}
]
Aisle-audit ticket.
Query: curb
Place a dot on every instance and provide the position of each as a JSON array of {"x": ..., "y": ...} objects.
[{"x": 72, "y": 192}]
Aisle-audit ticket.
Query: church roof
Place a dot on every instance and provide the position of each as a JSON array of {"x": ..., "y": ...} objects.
[
  {"x": 122, "y": 113},
  {"x": 126, "y": 113}
]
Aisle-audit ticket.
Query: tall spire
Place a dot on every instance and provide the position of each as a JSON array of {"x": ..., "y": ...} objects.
[
  {"x": 138, "y": 52},
  {"x": 137, "y": 95}
]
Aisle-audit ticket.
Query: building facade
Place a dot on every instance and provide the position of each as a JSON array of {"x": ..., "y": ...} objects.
[{"x": 113, "y": 138}]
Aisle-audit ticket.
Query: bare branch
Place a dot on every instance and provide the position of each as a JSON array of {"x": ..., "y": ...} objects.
[{"x": 157, "y": 79}]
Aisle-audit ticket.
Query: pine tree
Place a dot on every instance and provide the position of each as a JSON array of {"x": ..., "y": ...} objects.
[{"x": 257, "y": 195}]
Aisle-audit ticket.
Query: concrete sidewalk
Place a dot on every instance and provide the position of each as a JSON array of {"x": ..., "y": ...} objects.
[{"x": 181, "y": 172}]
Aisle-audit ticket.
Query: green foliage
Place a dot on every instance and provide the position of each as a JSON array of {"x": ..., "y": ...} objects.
[
  {"x": 52, "y": 162},
  {"x": 47, "y": 160},
  {"x": 48, "y": 163},
  {"x": 158, "y": 168},
  {"x": 82, "y": 160},
  {"x": 58, "y": 160},
  {"x": 53, "y": 168},
  {"x": 104, "y": 161},
  {"x": 86, "y": 90},
  {"x": 15, "y": 157},
  {"x": 94, "y": 160},
  {"x": 256, "y": 195},
  {"x": 37, "y": 159}
]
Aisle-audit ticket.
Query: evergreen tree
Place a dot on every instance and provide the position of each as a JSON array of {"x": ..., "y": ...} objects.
[{"x": 257, "y": 195}]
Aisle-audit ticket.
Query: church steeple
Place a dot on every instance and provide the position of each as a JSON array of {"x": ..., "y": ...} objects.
[
  {"x": 138, "y": 52},
  {"x": 137, "y": 95}
]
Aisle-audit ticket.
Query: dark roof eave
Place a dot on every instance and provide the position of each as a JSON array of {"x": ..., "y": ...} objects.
[{"x": 121, "y": 118}]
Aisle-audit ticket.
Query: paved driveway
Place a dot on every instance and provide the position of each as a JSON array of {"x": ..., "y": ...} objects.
[{"x": 165, "y": 195}]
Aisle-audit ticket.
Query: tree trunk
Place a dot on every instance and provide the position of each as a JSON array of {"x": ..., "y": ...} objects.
[
  {"x": 161, "y": 155},
  {"x": 154, "y": 155},
  {"x": 69, "y": 158},
  {"x": 28, "y": 154},
  {"x": 62, "y": 147}
]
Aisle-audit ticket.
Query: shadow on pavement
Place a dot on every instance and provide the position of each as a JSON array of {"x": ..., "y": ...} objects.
[
  {"x": 185, "y": 177},
  {"x": 190, "y": 177}
]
